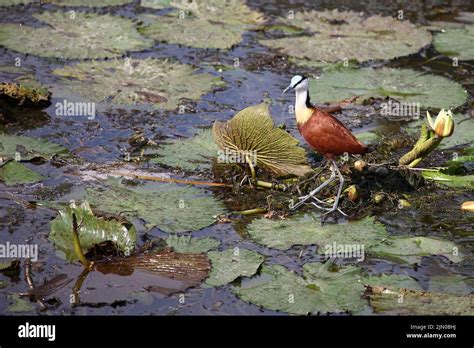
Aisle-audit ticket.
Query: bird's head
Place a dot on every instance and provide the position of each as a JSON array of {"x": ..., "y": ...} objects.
[{"x": 298, "y": 83}]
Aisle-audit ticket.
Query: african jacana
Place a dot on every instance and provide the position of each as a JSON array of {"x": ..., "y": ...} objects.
[{"x": 324, "y": 133}]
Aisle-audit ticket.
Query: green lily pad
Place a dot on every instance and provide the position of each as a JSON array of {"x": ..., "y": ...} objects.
[
  {"x": 336, "y": 36},
  {"x": 93, "y": 230},
  {"x": 393, "y": 281},
  {"x": 85, "y": 36},
  {"x": 172, "y": 208},
  {"x": 89, "y": 3},
  {"x": 231, "y": 264},
  {"x": 152, "y": 82},
  {"x": 192, "y": 154},
  {"x": 411, "y": 249},
  {"x": 188, "y": 244},
  {"x": 193, "y": 32},
  {"x": 463, "y": 131},
  {"x": 456, "y": 42},
  {"x": 14, "y": 173},
  {"x": 319, "y": 291},
  {"x": 456, "y": 181},
  {"x": 410, "y": 302},
  {"x": 306, "y": 230},
  {"x": 404, "y": 85},
  {"x": 25, "y": 148},
  {"x": 452, "y": 284},
  {"x": 204, "y": 24},
  {"x": 19, "y": 304}
]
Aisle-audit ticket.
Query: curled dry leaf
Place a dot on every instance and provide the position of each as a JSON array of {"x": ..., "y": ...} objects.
[{"x": 252, "y": 133}]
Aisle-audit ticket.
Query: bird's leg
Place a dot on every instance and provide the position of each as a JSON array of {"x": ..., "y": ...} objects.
[
  {"x": 339, "y": 191},
  {"x": 303, "y": 199}
]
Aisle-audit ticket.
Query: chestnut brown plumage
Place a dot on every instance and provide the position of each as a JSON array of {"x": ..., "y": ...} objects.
[{"x": 325, "y": 134}]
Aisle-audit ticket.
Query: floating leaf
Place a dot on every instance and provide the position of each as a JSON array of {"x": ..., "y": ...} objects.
[
  {"x": 387, "y": 301},
  {"x": 170, "y": 271},
  {"x": 170, "y": 207},
  {"x": 463, "y": 131},
  {"x": 410, "y": 249},
  {"x": 18, "y": 304},
  {"x": 192, "y": 154},
  {"x": 320, "y": 291},
  {"x": 404, "y": 85},
  {"x": 366, "y": 233},
  {"x": 207, "y": 24},
  {"x": 23, "y": 94},
  {"x": 87, "y": 35},
  {"x": 89, "y": 3},
  {"x": 458, "y": 181},
  {"x": 393, "y": 281},
  {"x": 252, "y": 132},
  {"x": 93, "y": 230},
  {"x": 336, "y": 36},
  {"x": 456, "y": 42},
  {"x": 28, "y": 148},
  {"x": 14, "y": 173},
  {"x": 231, "y": 264},
  {"x": 452, "y": 284},
  {"x": 193, "y": 32},
  {"x": 158, "y": 83},
  {"x": 188, "y": 244}
]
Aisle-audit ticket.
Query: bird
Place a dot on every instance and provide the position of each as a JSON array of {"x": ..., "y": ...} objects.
[{"x": 325, "y": 134}]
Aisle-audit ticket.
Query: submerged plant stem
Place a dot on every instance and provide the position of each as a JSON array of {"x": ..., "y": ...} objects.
[{"x": 172, "y": 180}]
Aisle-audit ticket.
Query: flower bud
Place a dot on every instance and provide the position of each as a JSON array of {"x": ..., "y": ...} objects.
[{"x": 443, "y": 126}]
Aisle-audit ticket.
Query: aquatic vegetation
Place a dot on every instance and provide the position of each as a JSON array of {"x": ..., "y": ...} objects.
[
  {"x": 231, "y": 264},
  {"x": 206, "y": 24},
  {"x": 92, "y": 230},
  {"x": 155, "y": 83},
  {"x": 170, "y": 207},
  {"x": 88, "y": 3},
  {"x": 25, "y": 95},
  {"x": 251, "y": 134},
  {"x": 456, "y": 42},
  {"x": 87, "y": 35},
  {"x": 403, "y": 85},
  {"x": 26, "y": 148},
  {"x": 14, "y": 173},
  {"x": 333, "y": 36},
  {"x": 188, "y": 244},
  {"x": 191, "y": 154}
]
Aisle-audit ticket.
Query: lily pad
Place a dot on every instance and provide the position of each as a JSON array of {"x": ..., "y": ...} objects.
[
  {"x": 86, "y": 35},
  {"x": 410, "y": 302},
  {"x": 15, "y": 2},
  {"x": 463, "y": 131},
  {"x": 335, "y": 36},
  {"x": 251, "y": 133},
  {"x": 231, "y": 264},
  {"x": 306, "y": 230},
  {"x": 193, "y": 32},
  {"x": 392, "y": 281},
  {"x": 93, "y": 230},
  {"x": 25, "y": 148},
  {"x": 18, "y": 304},
  {"x": 319, "y": 291},
  {"x": 204, "y": 24},
  {"x": 153, "y": 82},
  {"x": 457, "y": 181},
  {"x": 89, "y": 3},
  {"x": 192, "y": 154},
  {"x": 452, "y": 284},
  {"x": 404, "y": 85},
  {"x": 14, "y": 173},
  {"x": 188, "y": 244},
  {"x": 172, "y": 208},
  {"x": 456, "y": 42}
]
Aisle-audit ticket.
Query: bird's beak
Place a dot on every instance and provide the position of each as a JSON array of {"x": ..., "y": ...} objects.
[{"x": 286, "y": 89}]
